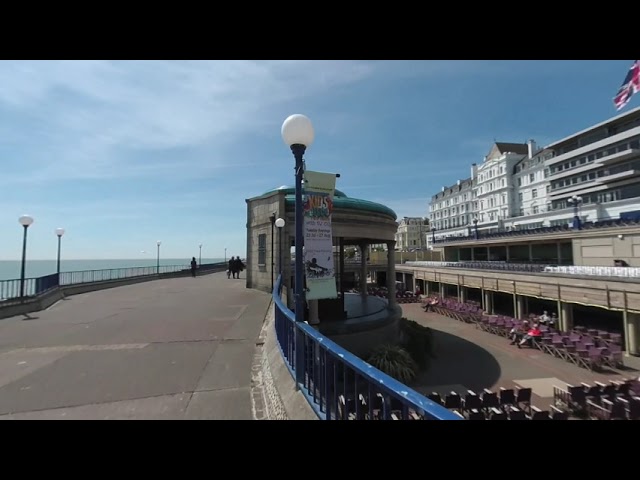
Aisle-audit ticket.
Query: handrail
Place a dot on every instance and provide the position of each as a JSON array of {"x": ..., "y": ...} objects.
[
  {"x": 34, "y": 286},
  {"x": 321, "y": 389}
]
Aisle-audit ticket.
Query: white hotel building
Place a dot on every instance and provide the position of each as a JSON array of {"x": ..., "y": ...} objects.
[
  {"x": 520, "y": 186},
  {"x": 494, "y": 185},
  {"x": 451, "y": 211},
  {"x": 600, "y": 166}
]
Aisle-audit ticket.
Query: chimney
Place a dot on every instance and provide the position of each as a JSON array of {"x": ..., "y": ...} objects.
[
  {"x": 532, "y": 148},
  {"x": 474, "y": 170}
]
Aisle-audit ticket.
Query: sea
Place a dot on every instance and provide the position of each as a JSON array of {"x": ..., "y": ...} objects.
[{"x": 10, "y": 269}]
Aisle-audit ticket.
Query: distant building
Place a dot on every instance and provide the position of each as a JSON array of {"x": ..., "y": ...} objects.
[
  {"x": 531, "y": 188},
  {"x": 412, "y": 233},
  {"x": 494, "y": 185},
  {"x": 601, "y": 167},
  {"x": 451, "y": 211}
]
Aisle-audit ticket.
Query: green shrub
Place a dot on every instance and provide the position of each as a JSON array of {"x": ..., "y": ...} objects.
[{"x": 395, "y": 361}]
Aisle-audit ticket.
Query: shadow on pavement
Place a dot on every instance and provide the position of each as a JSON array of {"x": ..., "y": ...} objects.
[{"x": 458, "y": 362}]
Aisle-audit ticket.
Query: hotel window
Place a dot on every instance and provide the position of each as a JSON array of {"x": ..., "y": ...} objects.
[
  {"x": 520, "y": 197},
  {"x": 532, "y": 177},
  {"x": 536, "y": 209},
  {"x": 534, "y": 193}
]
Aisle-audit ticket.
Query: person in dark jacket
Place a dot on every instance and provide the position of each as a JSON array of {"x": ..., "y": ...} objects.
[
  {"x": 194, "y": 266},
  {"x": 230, "y": 271}
]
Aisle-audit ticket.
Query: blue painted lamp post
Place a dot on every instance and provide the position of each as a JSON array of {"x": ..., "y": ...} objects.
[
  {"x": 200, "y": 257},
  {"x": 25, "y": 221},
  {"x": 297, "y": 133},
  {"x": 59, "y": 233}
]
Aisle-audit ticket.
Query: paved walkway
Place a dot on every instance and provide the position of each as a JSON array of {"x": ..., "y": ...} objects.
[
  {"x": 469, "y": 358},
  {"x": 167, "y": 349}
]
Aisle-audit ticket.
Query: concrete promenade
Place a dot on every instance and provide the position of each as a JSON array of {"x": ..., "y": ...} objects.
[{"x": 178, "y": 348}]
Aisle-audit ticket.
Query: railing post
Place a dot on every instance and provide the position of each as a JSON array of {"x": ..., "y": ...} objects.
[{"x": 299, "y": 353}]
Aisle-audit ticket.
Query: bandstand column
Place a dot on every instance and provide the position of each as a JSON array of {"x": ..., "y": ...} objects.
[
  {"x": 391, "y": 272},
  {"x": 363, "y": 268}
]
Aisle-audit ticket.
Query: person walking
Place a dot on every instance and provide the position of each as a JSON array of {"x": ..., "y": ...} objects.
[{"x": 194, "y": 266}]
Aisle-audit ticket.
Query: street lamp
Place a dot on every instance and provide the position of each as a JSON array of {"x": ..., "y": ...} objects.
[
  {"x": 475, "y": 225},
  {"x": 59, "y": 232},
  {"x": 576, "y": 201},
  {"x": 297, "y": 133},
  {"x": 200, "y": 257},
  {"x": 158, "y": 243},
  {"x": 273, "y": 221},
  {"x": 225, "y": 254},
  {"x": 280, "y": 223},
  {"x": 25, "y": 221}
]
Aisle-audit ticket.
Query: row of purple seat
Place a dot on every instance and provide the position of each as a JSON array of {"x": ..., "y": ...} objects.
[
  {"x": 592, "y": 351},
  {"x": 505, "y": 404},
  {"x": 612, "y": 401}
]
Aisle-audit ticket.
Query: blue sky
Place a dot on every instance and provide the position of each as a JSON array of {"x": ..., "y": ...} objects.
[{"x": 124, "y": 153}]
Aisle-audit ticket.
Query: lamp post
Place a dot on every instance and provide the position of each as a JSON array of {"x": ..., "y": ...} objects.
[
  {"x": 59, "y": 232},
  {"x": 280, "y": 223},
  {"x": 200, "y": 257},
  {"x": 158, "y": 243},
  {"x": 297, "y": 133},
  {"x": 273, "y": 221},
  {"x": 475, "y": 226},
  {"x": 225, "y": 254},
  {"x": 576, "y": 201},
  {"x": 25, "y": 221}
]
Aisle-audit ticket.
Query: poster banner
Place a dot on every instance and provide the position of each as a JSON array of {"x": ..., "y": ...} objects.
[{"x": 318, "y": 238}]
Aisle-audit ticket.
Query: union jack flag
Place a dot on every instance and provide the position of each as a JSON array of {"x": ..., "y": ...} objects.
[{"x": 630, "y": 86}]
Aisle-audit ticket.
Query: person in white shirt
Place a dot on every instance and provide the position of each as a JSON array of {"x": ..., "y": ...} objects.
[{"x": 544, "y": 318}]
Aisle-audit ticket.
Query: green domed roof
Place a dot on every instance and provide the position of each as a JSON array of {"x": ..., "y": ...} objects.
[
  {"x": 340, "y": 200},
  {"x": 292, "y": 191}
]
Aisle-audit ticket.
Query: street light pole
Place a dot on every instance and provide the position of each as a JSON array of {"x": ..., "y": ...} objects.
[
  {"x": 225, "y": 254},
  {"x": 158, "y": 243},
  {"x": 59, "y": 232},
  {"x": 273, "y": 221},
  {"x": 200, "y": 257},
  {"x": 475, "y": 225},
  {"x": 297, "y": 132},
  {"x": 280, "y": 223},
  {"x": 25, "y": 221}
]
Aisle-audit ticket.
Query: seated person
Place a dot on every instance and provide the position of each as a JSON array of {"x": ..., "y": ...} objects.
[
  {"x": 531, "y": 334},
  {"x": 553, "y": 321},
  {"x": 429, "y": 304},
  {"x": 544, "y": 318},
  {"x": 518, "y": 332}
]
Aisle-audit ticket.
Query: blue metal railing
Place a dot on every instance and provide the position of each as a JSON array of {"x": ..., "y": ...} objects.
[
  {"x": 10, "y": 289},
  {"x": 340, "y": 386}
]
